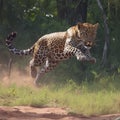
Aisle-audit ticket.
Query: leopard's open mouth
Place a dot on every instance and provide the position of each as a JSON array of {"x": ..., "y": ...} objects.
[{"x": 89, "y": 44}]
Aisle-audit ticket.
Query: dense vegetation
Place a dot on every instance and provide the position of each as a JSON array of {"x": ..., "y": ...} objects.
[{"x": 34, "y": 18}]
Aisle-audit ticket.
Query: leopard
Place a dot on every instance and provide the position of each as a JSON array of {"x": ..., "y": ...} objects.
[{"x": 50, "y": 49}]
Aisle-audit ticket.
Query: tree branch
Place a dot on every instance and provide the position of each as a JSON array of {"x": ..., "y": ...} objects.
[{"x": 106, "y": 31}]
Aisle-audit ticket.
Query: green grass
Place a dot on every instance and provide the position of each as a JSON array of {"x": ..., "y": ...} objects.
[{"x": 88, "y": 98}]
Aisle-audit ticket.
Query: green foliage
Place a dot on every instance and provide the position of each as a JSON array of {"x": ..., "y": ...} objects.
[{"x": 88, "y": 98}]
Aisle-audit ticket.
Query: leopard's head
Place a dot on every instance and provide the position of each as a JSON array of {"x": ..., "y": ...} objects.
[{"x": 87, "y": 33}]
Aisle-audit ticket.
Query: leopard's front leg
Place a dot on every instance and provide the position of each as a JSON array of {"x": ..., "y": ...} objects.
[
  {"x": 86, "y": 51},
  {"x": 70, "y": 47}
]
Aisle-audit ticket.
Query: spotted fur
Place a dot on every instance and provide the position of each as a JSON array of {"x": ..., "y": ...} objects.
[{"x": 52, "y": 48}]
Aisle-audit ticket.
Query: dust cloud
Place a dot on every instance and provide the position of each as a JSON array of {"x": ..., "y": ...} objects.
[{"x": 18, "y": 77}]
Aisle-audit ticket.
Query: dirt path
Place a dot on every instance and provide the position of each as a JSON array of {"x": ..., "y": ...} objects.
[{"x": 31, "y": 113}]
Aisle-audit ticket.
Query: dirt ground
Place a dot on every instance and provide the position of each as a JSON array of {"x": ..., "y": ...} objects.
[{"x": 31, "y": 113}]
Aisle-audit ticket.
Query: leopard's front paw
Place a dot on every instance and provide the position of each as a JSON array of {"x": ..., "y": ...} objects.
[
  {"x": 81, "y": 58},
  {"x": 92, "y": 60}
]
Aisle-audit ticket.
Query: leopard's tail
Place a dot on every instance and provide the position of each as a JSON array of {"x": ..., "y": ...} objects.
[{"x": 11, "y": 48}]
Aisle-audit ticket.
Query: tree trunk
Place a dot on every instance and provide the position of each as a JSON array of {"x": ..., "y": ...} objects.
[
  {"x": 61, "y": 9},
  {"x": 1, "y": 11},
  {"x": 74, "y": 14},
  {"x": 9, "y": 67},
  {"x": 107, "y": 38},
  {"x": 81, "y": 11}
]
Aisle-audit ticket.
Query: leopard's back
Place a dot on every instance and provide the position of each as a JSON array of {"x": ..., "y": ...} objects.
[{"x": 52, "y": 46}]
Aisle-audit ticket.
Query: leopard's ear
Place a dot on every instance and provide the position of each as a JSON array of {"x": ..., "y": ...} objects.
[
  {"x": 96, "y": 25},
  {"x": 80, "y": 25}
]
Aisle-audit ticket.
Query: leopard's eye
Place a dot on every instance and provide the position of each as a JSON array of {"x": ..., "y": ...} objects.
[{"x": 86, "y": 33}]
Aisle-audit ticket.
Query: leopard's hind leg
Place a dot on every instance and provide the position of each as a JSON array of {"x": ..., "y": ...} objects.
[
  {"x": 33, "y": 69},
  {"x": 49, "y": 65}
]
